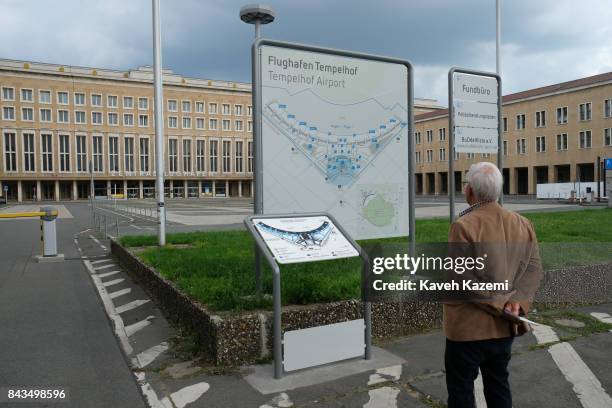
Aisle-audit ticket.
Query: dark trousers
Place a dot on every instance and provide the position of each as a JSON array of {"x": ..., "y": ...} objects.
[{"x": 462, "y": 360}]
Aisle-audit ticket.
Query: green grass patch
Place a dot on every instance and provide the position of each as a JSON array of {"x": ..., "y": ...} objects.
[{"x": 217, "y": 266}]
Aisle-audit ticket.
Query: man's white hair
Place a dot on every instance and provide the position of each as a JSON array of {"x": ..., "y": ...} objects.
[{"x": 486, "y": 181}]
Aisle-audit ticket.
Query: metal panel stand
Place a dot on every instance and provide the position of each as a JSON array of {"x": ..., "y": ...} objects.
[{"x": 276, "y": 285}]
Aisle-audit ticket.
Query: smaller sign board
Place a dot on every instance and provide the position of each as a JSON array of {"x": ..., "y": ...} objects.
[
  {"x": 473, "y": 87},
  {"x": 475, "y": 107},
  {"x": 609, "y": 164},
  {"x": 303, "y": 239}
]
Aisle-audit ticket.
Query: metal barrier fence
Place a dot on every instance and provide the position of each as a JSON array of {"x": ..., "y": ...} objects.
[{"x": 103, "y": 218}]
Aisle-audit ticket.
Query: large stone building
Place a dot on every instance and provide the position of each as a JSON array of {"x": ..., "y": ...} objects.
[
  {"x": 552, "y": 134},
  {"x": 56, "y": 119}
]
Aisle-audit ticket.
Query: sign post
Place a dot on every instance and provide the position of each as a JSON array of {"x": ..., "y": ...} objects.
[
  {"x": 298, "y": 238},
  {"x": 474, "y": 119}
]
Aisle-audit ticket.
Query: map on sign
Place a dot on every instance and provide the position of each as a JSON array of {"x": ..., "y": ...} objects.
[
  {"x": 303, "y": 239},
  {"x": 475, "y": 113},
  {"x": 335, "y": 139}
]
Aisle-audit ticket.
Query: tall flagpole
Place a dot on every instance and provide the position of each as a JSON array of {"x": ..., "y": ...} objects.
[
  {"x": 500, "y": 142},
  {"x": 159, "y": 126}
]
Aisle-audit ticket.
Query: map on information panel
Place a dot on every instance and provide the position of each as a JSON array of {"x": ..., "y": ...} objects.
[
  {"x": 303, "y": 239},
  {"x": 335, "y": 139}
]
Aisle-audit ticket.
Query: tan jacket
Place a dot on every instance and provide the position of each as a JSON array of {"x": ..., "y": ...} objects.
[{"x": 520, "y": 264}]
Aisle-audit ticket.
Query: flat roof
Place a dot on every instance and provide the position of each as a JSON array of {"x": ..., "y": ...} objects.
[{"x": 140, "y": 74}]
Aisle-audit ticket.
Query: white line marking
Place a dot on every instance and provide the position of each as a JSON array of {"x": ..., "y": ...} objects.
[
  {"x": 94, "y": 239},
  {"x": 602, "y": 317},
  {"x": 587, "y": 387},
  {"x": 149, "y": 392},
  {"x": 132, "y": 305},
  {"x": 191, "y": 393},
  {"x": 384, "y": 396},
  {"x": 112, "y": 283},
  {"x": 385, "y": 374},
  {"x": 544, "y": 334},
  {"x": 179, "y": 399},
  {"x": 119, "y": 293},
  {"x": 110, "y": 310},
  {"x": 281, "y": 400},
  {"x": 136, "y": 226},
  {"x": 104, "y": 267},
  {"x": 133, "y": 328},
  {"x": 101, "y": 261},
  {"x": 103, "y": 247},
  {"x": 148, "y": 356},
  {"x": 107, "y": 274}
]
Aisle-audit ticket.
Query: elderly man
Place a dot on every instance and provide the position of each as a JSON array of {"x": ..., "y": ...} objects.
[{"x": 479, "y": 334}]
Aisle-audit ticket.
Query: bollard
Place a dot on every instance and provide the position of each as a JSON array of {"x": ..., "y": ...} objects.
[{"x": 49, "y": 236}]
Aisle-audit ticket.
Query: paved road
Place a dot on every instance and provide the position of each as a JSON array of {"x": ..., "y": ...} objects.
[
  {"x": 135, "y": 217},
  {"x": 85, "y": 325},
  {"x": 54, "y": 331}
]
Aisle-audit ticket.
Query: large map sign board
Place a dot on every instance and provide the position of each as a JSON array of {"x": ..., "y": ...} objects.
[
  {"x": 303, "y": 239},
  {"x": 475, "y": 112},
  {"x": 335, "y": 138}
]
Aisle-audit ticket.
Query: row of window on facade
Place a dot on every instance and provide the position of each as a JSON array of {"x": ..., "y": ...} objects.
[
  {"x": 112, "y": 101},
  {"x": 199, "y": 155},
  {"x": 97, "y": 118},
  {"x": 584, "y": 111},
  {"x": 585, "y": 141}
]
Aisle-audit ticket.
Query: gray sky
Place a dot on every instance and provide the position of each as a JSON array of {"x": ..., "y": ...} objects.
[{"x": 544, "y": 41}]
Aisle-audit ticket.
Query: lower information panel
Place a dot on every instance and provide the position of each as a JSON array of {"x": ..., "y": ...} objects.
[{"x": 323, "y": 344}]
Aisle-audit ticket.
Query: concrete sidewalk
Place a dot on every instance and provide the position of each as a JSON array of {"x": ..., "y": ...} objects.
[{"x": 54, "y": 330}]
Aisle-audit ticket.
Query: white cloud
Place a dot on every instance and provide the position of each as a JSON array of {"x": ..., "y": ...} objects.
[{"x": 544, "y": 41}]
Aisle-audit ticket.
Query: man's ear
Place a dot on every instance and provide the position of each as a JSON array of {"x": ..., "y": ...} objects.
[{"x": 469, "y": 194}]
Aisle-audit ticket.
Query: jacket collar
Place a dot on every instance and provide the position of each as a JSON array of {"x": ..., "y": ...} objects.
[{"x": 474, "y": 206}]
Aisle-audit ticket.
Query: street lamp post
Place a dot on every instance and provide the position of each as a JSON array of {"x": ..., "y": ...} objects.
[
  {"x": 159, "y": 125},
  {"x": 257, "y": 14}
]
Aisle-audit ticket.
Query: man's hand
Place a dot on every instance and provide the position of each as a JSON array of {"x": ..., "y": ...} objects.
[{"x": 512, "y": 308}]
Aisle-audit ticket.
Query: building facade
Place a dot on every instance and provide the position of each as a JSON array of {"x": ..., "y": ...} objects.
[
  {"x": 554, "y": 134},
  {"x": 55, "y": 120}
]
